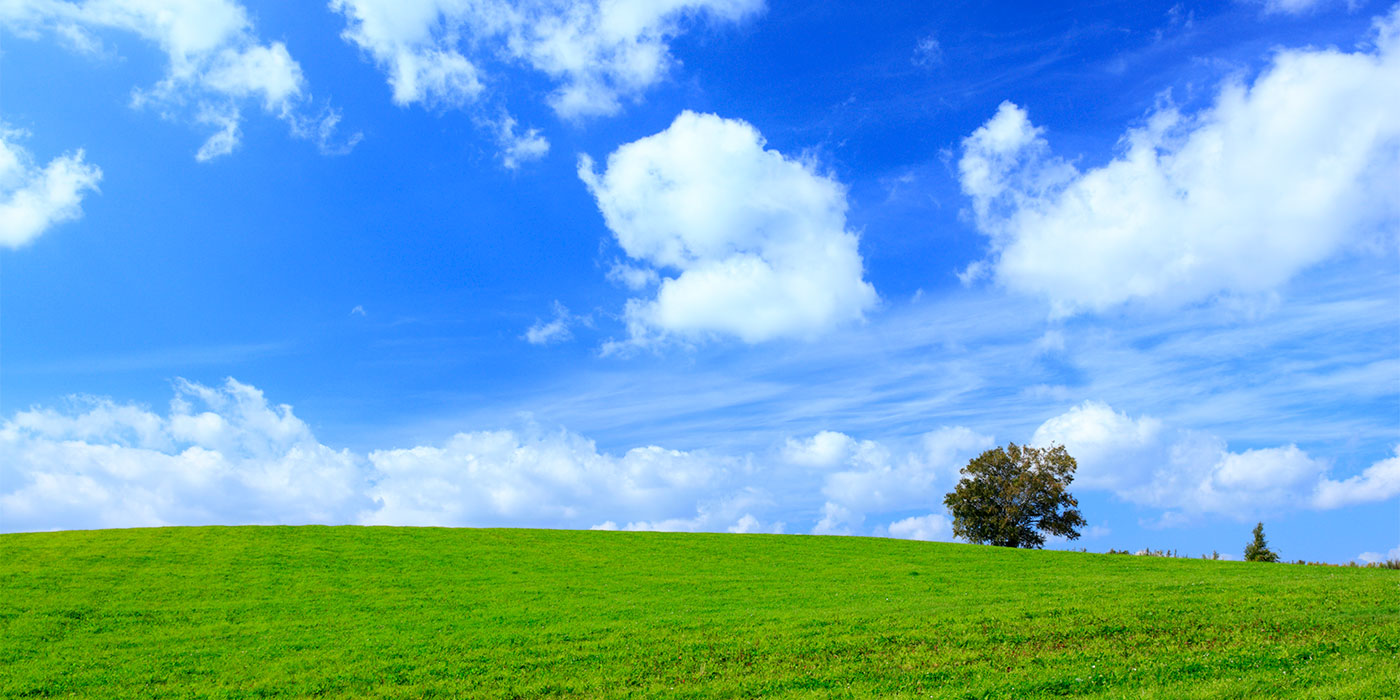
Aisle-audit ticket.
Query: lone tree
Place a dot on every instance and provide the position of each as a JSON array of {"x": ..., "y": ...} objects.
[
  {"x": 1258, "y": 550},
  {"x": 1009, "y": 497}
]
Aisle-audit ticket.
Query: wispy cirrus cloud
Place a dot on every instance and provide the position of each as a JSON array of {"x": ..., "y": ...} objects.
[
  {"x": 1317, "y": 371},
  {"x": 1292, "y": 7}
]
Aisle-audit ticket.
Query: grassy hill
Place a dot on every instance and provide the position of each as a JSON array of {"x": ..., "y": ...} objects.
[{"x": 255, "y": 612}]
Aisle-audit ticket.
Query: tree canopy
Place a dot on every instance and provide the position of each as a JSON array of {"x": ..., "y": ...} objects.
[
  {"x": 1015, "y": 496},
  {"x": 1258, "y": 548}
]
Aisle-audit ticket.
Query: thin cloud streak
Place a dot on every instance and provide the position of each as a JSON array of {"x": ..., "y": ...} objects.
[
  {"x": 163, "y": 359},
  {"x": 979, "y": 360}
]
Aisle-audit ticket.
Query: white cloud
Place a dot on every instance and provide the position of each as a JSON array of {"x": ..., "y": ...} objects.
[
  {"x": 746, "y": 524},
  {"x": 1108, "y": 445},
  {"x": 824, "y": 450},
  {"x": 222, "y": 142},
  {"x": 518, "y": 148},
  {"x": 597, "y": 52},
  {"x": 1379, "y": 482},
  {"x": 1374, "y": 557},
  {"x": 712, "y": 516},
  {"x": 214, "y": 59},
  {"x": 601, "y": 52},
  {"x": 1142, "y": 461},
  {"x": 632, "y": 277},
  {"x": 236, "y": 459},
  {"x": 1277, "y": 175},
  {"x": 837, "y": 520},
  {"x": 555, "y": 330},
  {"x": 226, "y": 455},
  {"x": 932, "y": 528},
  {"x": 265, "y": 72},
  {"x": 878, "y": 480},
  {"x": 927, "y": 52},
  {"x": 32, "y": 199},
  {"x": 748, "y": 243},
  {"x": 1291, "y": 7},
  {"x": 550, "y": 479}
]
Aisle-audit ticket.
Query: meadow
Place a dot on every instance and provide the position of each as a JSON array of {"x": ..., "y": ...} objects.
[{"x": 350, "y": 612}]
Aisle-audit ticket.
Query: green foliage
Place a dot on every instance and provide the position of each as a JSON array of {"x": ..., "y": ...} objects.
[
  {"x": 1258, "y": 549},
  {"x": 278, "y": 612},
  {"x": 1009, "y": 497}
]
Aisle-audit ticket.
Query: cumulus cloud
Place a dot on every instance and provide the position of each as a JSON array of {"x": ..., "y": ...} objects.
[
  {"x": 824, "y": 450},
  {"x": 722, "y": 515},
  {"x": 867, "y": 477},
  {"x": 1278, "y": 174},
  {"x": 931, "y": 528},
  {"x": 596, "y": 52},
  {"x": 860, "y": 478},
  {"x": 226, "y": 455},
  {"x": 220, "y": 455},
  {"x": 1378, "y": 482},
  {"x": 34, "y": 198},
  {"x": 838, "y": 520},
  {"x": 214, "y": 60},
  {"x": 1107, "y": 444},
  {"x": 876, "y": 479},
  {"x": 1143, "y": 461},
  {"x": 548, "y": 479},
  {"x": 746, "y": 241},
  {"x": 1375, "y": 557}
]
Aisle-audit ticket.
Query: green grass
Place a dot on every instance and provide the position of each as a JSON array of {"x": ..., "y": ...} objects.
[{"x": 434, "y": 613}]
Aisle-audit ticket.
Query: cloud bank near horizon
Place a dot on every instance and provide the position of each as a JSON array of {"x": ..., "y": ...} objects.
[{"x": 226, "y": 455}]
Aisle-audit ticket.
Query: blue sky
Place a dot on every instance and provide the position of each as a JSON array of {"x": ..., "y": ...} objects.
[{"x": 701, "y": 264}]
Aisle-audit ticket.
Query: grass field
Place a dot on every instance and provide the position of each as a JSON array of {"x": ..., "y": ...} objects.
[{"x": 406, "y": 613}]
